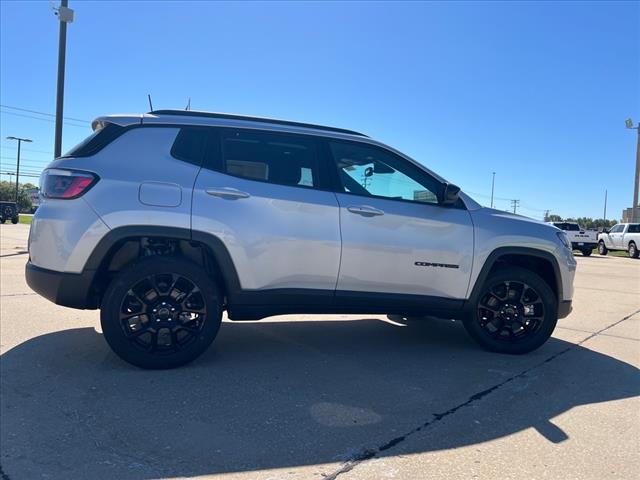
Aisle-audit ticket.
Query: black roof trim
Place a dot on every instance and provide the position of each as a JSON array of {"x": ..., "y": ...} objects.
[{"x": 229, "y": 116}]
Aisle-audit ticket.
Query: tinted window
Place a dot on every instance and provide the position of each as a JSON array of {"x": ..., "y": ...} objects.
[
  {"x": 190, "y": 145},
  {"x": 96, "y": 141},
  {"x": 271, "y": 157},
  {"x": 635, "y": 228},
  {"x": 570, "y": 227},
  {"x": 616, "y": 228},
  {"x": 372, "y": 171}
]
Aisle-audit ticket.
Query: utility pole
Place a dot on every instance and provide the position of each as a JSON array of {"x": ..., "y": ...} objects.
[
  {"x": 19, "y": 140},
  {"x": 605, "y": 205},
  {"x": 493, "y": 181},
  {"x": 515, "y": 204},
  {"x": 65, "y": 15},
  {"x": 546, "y": 215},
  {"x": 634, "y": 207}
]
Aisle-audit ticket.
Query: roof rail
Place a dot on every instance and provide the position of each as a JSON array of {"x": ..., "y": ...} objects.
[{"x": 229, "y": 116}]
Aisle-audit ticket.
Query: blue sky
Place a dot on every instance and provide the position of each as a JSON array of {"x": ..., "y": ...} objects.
[{"x": 537, "y": 92}]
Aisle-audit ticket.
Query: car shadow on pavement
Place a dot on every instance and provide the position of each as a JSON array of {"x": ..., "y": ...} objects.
[{"x": 283, "y": 394}]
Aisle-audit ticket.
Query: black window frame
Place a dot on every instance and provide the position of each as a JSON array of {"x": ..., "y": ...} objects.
[
  {"x": 339, "y": 187},
  {"x": 207, "y": 153},
  {"x": 100, "y": 140}
]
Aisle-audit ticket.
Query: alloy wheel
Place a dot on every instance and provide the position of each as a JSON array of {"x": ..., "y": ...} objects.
[
  {"x": 163, "y": 313},
  {"x": 511, "y": 311}
]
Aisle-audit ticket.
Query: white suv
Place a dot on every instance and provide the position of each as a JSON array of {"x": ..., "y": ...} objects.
[{"x": 166, "y": 219}]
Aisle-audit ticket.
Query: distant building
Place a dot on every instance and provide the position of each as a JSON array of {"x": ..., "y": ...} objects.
[
  {"x": 424, "y": 196},
  {"x": 627, "y": 213}
]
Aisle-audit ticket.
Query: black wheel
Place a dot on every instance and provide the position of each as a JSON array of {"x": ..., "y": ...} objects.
[
  {"x": 515, "y": 312},
  {"x": 161, "y": 312},
  {"x": 633, "y": 250},
  {"x": 602, "y": 249},
  {"x": 15, "y": 220},
  {"x": 586, "y": 252}
]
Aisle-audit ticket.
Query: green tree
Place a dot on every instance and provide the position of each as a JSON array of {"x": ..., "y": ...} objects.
[{"x": 8, "y": 194}]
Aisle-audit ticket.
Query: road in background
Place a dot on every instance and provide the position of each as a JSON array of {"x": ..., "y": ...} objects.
[{"x": 304, "y": 397}]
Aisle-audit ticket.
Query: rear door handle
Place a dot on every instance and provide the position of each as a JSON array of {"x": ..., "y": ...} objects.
[
  {"x": 227, "y": 193},
  {"x": 365, "y": 210}
]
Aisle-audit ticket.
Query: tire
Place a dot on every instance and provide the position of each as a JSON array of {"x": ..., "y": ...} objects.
[
  {"x": 164, "y": 325},
  {"x": 586, "y": 252},
  {"x": 633, "y": 250},
  {"x": 512, "y": 326},
  {"x": 602, "y": 249},
  {"x": 15, "y": 220}
]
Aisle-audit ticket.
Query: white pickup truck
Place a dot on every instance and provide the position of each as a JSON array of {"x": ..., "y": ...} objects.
[
  {"x": 623, "y": 236},
  {"x": 581, "y": 239}
]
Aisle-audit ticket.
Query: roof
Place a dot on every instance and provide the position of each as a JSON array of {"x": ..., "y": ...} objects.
[{"x": 273, "y": 121}]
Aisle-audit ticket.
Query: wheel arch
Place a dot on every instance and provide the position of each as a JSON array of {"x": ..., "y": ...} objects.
[
  {"x": 215, "y": 256},
  {"x": 540, "y": 262}
]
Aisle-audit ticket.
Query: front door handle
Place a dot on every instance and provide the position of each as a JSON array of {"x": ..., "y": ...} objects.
[
  {"x": 365, "y": 210},
  {"x": 227, "y": 193}
]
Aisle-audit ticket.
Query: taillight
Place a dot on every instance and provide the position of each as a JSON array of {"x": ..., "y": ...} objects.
[{"x": 67, "y": 184}]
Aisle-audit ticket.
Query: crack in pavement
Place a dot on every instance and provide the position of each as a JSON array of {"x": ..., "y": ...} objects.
[
  {"x": 370, "y": 453},
  {"x": 13, "y": 254}
]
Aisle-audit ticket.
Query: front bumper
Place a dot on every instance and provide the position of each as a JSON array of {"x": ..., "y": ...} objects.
[{"x": 66, "y": 289}]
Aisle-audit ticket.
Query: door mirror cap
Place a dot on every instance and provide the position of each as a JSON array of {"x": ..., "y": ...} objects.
[{"x": 450, "y": 194}]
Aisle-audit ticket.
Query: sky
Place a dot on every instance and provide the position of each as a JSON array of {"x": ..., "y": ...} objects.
[{"x": 536, "y": 92}]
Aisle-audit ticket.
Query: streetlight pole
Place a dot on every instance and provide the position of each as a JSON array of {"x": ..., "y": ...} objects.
[
  {"x": 493, "y": 181},
  {"x": 19, "y": 140},
  {"x": 65, "y": 15},
  {"x": 634, "y": 207}
]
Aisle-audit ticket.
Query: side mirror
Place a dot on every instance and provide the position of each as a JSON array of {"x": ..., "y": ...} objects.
[
  {"x": 450, "y": 194},
  {"x": 379, "y": 167}
]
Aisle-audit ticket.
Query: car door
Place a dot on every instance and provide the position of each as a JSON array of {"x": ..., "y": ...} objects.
[
  {"x": 262, "y": 195},
  {"x": 615, "y": 236},
  {"x": 396, "y": 238}
]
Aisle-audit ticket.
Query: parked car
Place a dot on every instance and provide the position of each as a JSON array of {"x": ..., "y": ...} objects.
[
  {"x": 622, "y": 236},
  {"x": 581, "y": 239},
  {"x": 9, "y": 211},
  {"x": 164, "y": 220}
]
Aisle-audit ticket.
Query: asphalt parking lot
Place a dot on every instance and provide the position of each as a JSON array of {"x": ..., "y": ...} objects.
[{"x": 304, "y": 397}]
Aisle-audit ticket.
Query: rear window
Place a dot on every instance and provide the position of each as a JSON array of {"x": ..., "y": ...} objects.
[
  {"x": 569, "y": 227},
  {"x": 271, "y": 157},
  {"x": 96, "y": 141},
  {"x": 634, "y": 228}
]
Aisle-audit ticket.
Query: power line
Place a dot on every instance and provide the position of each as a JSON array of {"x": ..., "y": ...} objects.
[
  {"x": 41, "y": 119},
  {"x": 515, "y": 204},
  {"x": 43, "y": 113},
  {"x": 22, "y": 158},
  {"x": 25, "y": 149}
]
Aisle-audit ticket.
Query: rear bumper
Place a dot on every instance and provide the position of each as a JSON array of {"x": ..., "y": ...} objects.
[
  {"x": 66, "y": 289},
  {"x": 575, "y": 246},
  {"x": 564, "y": 308}
]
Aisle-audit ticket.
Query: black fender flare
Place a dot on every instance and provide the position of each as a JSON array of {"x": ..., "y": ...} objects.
[
  {"x": 115, "y": 237},
  {"x": 500, "y": 252}
]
